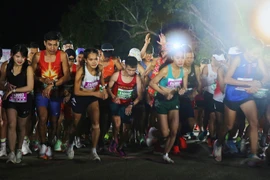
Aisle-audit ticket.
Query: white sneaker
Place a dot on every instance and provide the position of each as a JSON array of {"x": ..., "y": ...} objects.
[
  {"x": 77, "y": 142},
  {"x": 94, "y": 156},
  {"x": 25, "y": 148},
  {"x": 11, "y": 158},
  {"x": 3, "y": 150},
  {"x": 167, "y": 159},
  {"x": 19, "y": 156},
  {"x": 49, "y": 153},
  {"x": 217, "y": 152},
  {"x": 70, "y": 151},
  {"x": 42, "y": 151}
]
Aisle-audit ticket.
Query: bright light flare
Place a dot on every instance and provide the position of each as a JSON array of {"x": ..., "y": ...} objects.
[
  {"x": 263, "y": 21},
  {"x": 176, "y": 45}
]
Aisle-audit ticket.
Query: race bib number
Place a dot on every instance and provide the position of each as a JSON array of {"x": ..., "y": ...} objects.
[
  {"x": 90, "y": 85},
  {"x": 174, "y": 83},
  {"x": 18, "y": 98},
  {"x": 124, "y": 93}
]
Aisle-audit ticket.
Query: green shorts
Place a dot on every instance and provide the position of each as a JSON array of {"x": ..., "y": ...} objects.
[{"x": 163, "y": 106}]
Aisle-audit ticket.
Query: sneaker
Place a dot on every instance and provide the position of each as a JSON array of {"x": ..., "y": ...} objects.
[
  {"x": 167, "y": 159},
  {"x": 243, "y": 146},
  {"x": 263, "y": 141},
  {"x": 192, "y": 136},
  {"x": 202, "y": 135},
  {"x": 25, "y": 148},
  {"x": 19, "y": 156},
  {"x": 112, "y": 147},
  {"x": 150, "y": 139},
  {"x": 70, "y": 152},
  {"x": 232, "y": 147},
  {"x": 217, "y": 152},
  {"x": 183, "y": 143},
  {"x": 94, "y": 156},
  {"x": 77, "y": 143},
  {"x": 64, "y": 146},
  {"x": 11, "y": 158},
  {"x": 57, "y": 145},
  {"x": 238, "y": 142},
  {"x": 49, "y": 153},
  {"x": 35, "y": 146},
  {"x": 253, "y": 160},
  {"x": 121, "y": 152},
  {"x": 210, "y": 142},
  {"x": 42, "y": 151},
  {"x": 176, "y": 150},
  {"x": 3, "y": 150}
]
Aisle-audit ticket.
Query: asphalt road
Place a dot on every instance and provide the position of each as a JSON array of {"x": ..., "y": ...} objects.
[{"x": 195, "y": 163}]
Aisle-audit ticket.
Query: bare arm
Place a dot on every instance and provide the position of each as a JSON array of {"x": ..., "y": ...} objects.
[
  {"x": 117, "y": 64},
  {"x": 3, "y": 75},
  {"x": 77, "y": 85},
  {"x": 147, "y": 40},
  {"x": 65, "y": 69},
  {"x": 220, "y": 78},
  {"x": 185, "y": 79},
  {"x": 154, "y": 82},
  {"x": 139, "y": 90},
  {"x": 198, "y": 75},
  {"x": 111, "y": 84}
]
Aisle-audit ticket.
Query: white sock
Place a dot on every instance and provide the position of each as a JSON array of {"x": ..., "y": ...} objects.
[
  {"x": 166, "y": 155},
  {"x": 94, "y": 150}
]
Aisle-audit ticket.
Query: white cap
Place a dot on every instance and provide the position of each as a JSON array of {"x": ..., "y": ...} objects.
[
  {"x": 234, "y": 51},
  {"x": 135, "y": 53},
  {"x": 219, "y": 57}
]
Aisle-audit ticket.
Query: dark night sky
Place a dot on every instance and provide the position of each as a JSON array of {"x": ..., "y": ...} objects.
[{"x": 24, "y": 21}]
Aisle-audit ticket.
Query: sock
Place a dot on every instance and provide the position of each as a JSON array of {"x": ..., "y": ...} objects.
[
  {"x": 94, "y": 150},
  {"x": 166, "y": 154}
]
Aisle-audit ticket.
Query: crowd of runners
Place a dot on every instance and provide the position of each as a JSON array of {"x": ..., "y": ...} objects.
[{"x": 53, "y": 99}]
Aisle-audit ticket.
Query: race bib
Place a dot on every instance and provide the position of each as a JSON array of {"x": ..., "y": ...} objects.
[
  {"x": 124, "y": 93},
  {"x": 174, "y": 83},
  {"x": 243, "y": 79},
  {"x": 18, "y": 98},
  {"x": 90, "y": 85}
]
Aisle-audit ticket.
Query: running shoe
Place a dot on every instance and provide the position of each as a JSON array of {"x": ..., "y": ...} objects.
[
  {"x": 12, "y": 158},
  {"x": 3, "y": 149},
  {"x": 253, "y": 160},
  {"x": 70, "y": 151},
  {"x": 202, "y": 135},
  {"x": 19, "y": 155},
  {"x": 167, "y": 159},
  {"x": 42, "y": 151},
  {"x": 232, "y": 147},
  {"x": 94, "y": 156},
  {"x": 57, "y": 145},
  {"x": 112, "y": 147},
  {"x": 25, "y": 148},
  {"x": 175, "y": 150},
  {"x": 183, "y": 143},
  {"x": 217, "y": 152},
  {"x": 49, "y": 153},
  {"x": 121, "y": 152}
]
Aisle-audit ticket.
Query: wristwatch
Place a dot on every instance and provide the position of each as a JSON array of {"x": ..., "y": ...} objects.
[{"x": 131, "y": 103}]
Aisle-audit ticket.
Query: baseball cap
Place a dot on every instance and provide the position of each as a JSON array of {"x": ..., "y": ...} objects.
[
  {"x": 219, "y": 57},
  {"x": 134, "y": 52},
  {"x": 79, "y": 51},
  {"x": 234, "y": 51},
  {"x": 107, "y": 49}
]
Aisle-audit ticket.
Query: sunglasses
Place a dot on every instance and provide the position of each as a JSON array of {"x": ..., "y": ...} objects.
[{"x": 71, "y": 59}]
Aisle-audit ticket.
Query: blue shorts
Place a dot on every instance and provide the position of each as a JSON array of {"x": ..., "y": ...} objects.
[
  {"x": 119, "y": 110},
  {"x": 53, "y": 104}
]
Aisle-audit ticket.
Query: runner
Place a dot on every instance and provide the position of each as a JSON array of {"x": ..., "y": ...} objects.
[
  {"x": 33, "y": 48},
  {"x": 238, "y": 95},
  {"x": 121, "y": 87},
  {"x": 86, "y": 94},
  {"x": 167, "y": 83},
  {"x": 51, "y": 72},
  {"x": 19, "y": 99},
  {"x": 67, "y": 44}
]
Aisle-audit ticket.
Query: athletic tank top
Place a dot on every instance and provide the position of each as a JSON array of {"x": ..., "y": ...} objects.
[
  {"x": 20, "y": 80},
  {"x": 246, "y": 71},
  {"x": 124, "y": 91},
  {"x": 218, "y": 95},
  {"x": 51, "y": 70},
  {"x": 108, "y": 70},
  {"x": 89, "y": 81},
  {"x": 211, "y": 77},
  {"x": 192, "y": 79},
  {"x": 169, "y": 81}
]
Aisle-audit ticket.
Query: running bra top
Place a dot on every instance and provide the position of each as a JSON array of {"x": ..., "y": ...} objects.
[
  {"x": 192, "y": 79},
  {"x": 20, "y": 80},
  {"x": 109, "y": 69},
  {"x": 124, "y": 91},
  {"x": 211, "y": 77},
  {"x": 246, "y": 71},
  {"x": 171, "y": 82},
  {"x": 89, "y": 81}
]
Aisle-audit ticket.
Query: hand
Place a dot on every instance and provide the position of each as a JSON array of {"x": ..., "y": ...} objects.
[
  {"x": 181, "y": 91},
  {"x": 100, "y": 67},
  {"x": 47, "y": 91},
  {"x": 169, "y": 95},
  {"x": 46, "y": 81},
  {"x": 251, "y": 90},
  {"x": 105, "y": 94},
  {"x": 6, "y": 95},
  {"x": 128, "y": 110},
  {"x": 162, "y": 40},
  {"x": 256, "y": 84},
  {"x": 116, "y": 100},
  {"x": 147, "y": 39},
  {"x": 10, "y": 87}
]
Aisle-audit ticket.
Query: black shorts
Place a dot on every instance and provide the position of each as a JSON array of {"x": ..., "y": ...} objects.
[
  {"x": 235, "y": 105},
  {"x": 80, "y": 103},
  {"x": 185, "y": 110},
  {"x": 261, "y": 104},
  {"x": 208, "y": 102},
  {"x": 219, "y": 107},
  {"x": 23, "y": 109}
]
